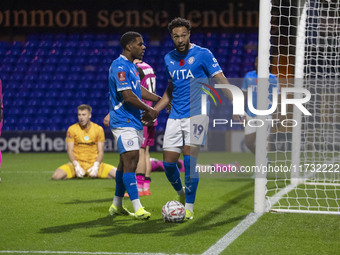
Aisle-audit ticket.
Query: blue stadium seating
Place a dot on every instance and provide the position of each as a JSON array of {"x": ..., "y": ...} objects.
[{"x": 51, "y": 74}]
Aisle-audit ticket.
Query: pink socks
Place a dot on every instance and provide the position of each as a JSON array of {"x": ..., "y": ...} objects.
[{"x": 140, "y": 182}]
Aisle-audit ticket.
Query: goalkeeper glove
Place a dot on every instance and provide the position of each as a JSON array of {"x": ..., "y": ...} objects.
[
  {"x": 78, "y": 169},
  {"x": 93, "y": 171}
]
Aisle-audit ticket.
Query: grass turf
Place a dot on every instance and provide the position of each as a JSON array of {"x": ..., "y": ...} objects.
[{"x": 38, "y": 214}]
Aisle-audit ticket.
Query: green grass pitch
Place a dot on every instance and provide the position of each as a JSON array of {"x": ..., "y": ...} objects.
[{"x": 38, "y": 214}]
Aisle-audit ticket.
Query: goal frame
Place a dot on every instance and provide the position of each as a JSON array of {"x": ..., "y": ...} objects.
[{"x": 261, "y": 204}]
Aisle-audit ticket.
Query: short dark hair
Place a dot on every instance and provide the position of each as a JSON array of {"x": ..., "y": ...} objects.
[
  {"x": 179, "y": 22},
  {"x": 83, "y": 107},
  {"x": 128, "y": 37}
]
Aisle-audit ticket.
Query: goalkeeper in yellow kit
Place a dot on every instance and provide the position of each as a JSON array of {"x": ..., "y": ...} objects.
[{"x": 85, "y": 149}]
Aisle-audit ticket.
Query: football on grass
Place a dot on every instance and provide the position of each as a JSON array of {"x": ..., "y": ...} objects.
[{"x": 173, "y": 211}]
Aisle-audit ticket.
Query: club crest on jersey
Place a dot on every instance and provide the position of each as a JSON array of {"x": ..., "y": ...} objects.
[
  {"x": 86, "y": 138},
  {"x": 121, "y": 76},
  {"x": 181, "y": 62},
  {"x": 191, "y": 60},
  {"x": 130, "y": 142}
]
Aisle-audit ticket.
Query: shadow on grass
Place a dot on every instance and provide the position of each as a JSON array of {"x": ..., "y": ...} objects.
[
  {"x": 77, "y": 201},
  {"x": 114, "y": 226},
  {"x": 208, "y": 221}
]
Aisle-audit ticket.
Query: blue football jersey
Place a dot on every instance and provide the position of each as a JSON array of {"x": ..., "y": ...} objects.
[
  {"x": 123, "y": 75},
  {"x": 187, "y": 73},
  {"x": 250, "y": 80}
]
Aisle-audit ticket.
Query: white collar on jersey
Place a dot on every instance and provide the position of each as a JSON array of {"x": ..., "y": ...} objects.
[{"x": 124, "y": 57}]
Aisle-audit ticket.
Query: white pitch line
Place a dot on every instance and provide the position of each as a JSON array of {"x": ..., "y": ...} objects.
[
  {"x": 84, "y": 252},
  {"x": 231, "y": 236},
  {"x": 24, "y": 172}
]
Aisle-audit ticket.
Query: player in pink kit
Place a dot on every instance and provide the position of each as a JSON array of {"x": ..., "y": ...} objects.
[
  {"x": 148, "y": 81},
  {"x": 1, "y": 117}
]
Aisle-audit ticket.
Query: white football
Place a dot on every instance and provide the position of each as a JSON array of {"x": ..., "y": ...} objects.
[{"x": 173, "y": 211}]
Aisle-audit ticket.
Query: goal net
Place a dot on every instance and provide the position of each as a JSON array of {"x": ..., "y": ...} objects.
[{"x": 304, "y": 150}]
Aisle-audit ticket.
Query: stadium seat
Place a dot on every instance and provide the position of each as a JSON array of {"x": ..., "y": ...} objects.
[
  {"x": 45, "y": 44},
  {"x": 30, "y": 77},
  {"x": 58, "y": 44},
  {"x": 102, "y": 77},
  {"x": 52, "y": 93},
  {"x": 93, "y": 60},
  {"x": 82, "y": 52},
  {"x": 34, "y": 68},
  {"x": 51, "y": 60},
  {"x": 48, "y": 68},
  {"x": 65, "y": 60},
  {"x": 71, "y": 85},
  {"x": 24, "y": 59},
  {"x": 65, "y": 95},
  {"x": 14, "y": 52},
  {"x": 12, "y": 112},
  {"x": 62, "y": 68},
  {"x": 40, "y": 85},
  {"x": 73, "y": 77},
  {"x": 57, "y": 112},
  {"x": 10, "y": 120},
  {"x": 29, "y": 111},
  {"x": 28, "y": 52},
  {"x": 9, "y": 59},
  {"x": 3, "y": 51},
  {"x": 69, "y": 52},
  {"x": 57, "y": 85},
  {"x": 55, "y": 52},
  {"x": 44, "y": 77},
  {"x": 84, "y": 44},
  {"x": 42, "y": 52},
  {"x": 58, "y": 76},
  {"x": 87, "y": 77},
  {"x": 3, "y": 45},
  {"x": 31, "y": 44},
  {"x": 42, "y": 111},
  {"x": 71, "y": 44}
]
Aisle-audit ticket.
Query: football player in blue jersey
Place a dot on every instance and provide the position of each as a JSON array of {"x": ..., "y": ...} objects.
[
  {"x": 125, "y": 121},
  {"x": 250, "y": 81},
  {"x": 186, "y": 128}
]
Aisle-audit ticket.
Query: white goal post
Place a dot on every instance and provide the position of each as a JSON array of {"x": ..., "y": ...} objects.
[{"x": 299, "y": 42}]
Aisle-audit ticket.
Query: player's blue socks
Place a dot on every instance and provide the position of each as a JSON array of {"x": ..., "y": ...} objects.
[
  {"x": 191, "y": 178},
  {"x": 173, "y": 175},
  {"x": 130, "y": 183},
  {"x": 120, "y": 188}
]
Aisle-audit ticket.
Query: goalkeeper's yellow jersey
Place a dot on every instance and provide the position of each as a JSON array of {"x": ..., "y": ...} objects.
[{"x": 85, "y": 141}]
